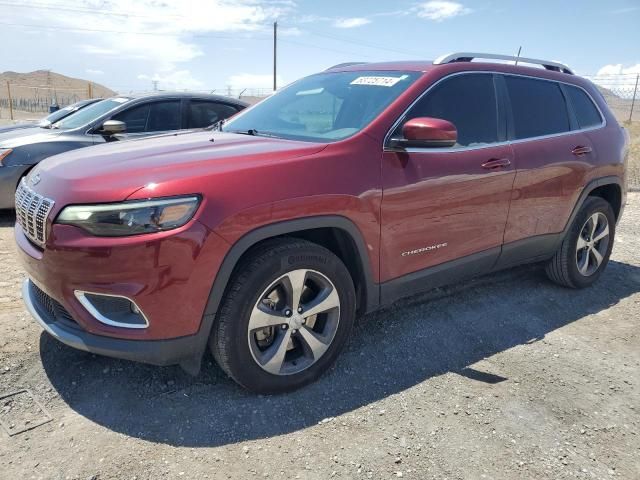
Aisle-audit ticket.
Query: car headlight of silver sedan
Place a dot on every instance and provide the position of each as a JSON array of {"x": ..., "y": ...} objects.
[{"x": 132, "y": 217}]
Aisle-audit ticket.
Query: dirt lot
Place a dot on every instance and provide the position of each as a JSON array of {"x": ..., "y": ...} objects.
[{"x": 502, "y": 377}]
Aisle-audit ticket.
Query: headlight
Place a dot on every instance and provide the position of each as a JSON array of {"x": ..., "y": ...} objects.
[
  {"x": 131, "y": 218},
  {"x": 4, "y": 152}
]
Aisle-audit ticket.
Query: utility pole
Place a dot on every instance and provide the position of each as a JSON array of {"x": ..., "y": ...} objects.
[
  {"x": 633, "y": 100},
  {"x": 10, "y": 101},
  {"x": 275, "y": 55},
  {"x": 155, "y": 85},
  {"x": 518, "y": 55},
  {"x": 90, "y": 91}
]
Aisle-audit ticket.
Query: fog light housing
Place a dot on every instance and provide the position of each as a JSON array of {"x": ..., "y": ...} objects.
[{"x": 112, "y": 310}]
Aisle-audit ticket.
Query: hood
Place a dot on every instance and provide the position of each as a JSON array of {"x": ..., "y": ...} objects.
[
  {"x": 23, "y": 136},
  {"x": 112, "y": 172},
  {"x": 17, "y": 126}
]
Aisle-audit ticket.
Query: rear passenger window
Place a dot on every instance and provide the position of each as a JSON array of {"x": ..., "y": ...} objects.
[
  {"x": 586, "y": 112},
  {"x": 538, "y": 107},
  {"x": 469, "y": 102},
  {"x": 164, "y": 116}
]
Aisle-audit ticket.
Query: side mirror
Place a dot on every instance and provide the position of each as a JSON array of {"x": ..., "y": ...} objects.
[
  {"x": 113, "y": 127},
  {"x": 426, "y": 132}
]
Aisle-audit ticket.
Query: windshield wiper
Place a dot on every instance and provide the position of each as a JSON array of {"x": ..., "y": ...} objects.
[
  {"x": 217, "y": 127},
  {"x": 253, "y": 132},
  {"x": 250, "y": 131}
]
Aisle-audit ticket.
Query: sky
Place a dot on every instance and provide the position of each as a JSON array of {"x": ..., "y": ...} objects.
[{"x": 217, "y": 44}]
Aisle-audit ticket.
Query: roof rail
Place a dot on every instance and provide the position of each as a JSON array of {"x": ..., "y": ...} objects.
[
  {"x": 347, "y": 64},
  {"x": 468, "y": 56}
]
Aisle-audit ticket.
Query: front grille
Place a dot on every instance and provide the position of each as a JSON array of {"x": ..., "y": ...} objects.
[
  {"x": 32, "y": 210},
  {"x": 51, "y": 307}
]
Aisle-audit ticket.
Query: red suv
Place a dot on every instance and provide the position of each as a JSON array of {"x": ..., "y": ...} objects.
[{"x": 339, "y": 194}]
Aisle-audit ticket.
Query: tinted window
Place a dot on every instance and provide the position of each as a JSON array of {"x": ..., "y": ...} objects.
[
  {"x": 164, "y": 116},
  {"x": 538, "y": 107},
  {"x": 135, "y": 118},
  {"x": 467, "y": 101},
  {"x": 203, "y": 113},
  {"x": 586, "y": 112},
  {"x": 151, "y": 117}
]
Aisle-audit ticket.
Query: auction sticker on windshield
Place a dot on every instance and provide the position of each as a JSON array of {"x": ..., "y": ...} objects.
[{"x": 378, "y": 81}]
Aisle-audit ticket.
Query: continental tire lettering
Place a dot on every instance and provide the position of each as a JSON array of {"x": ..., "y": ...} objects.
[{"x": 305, "y": 258}]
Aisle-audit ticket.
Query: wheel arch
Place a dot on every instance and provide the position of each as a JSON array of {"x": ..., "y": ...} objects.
[
  {"x": 337, "y": 233},
  {"x": 609, "y": 188},
  {"x": 612, "y": 193}
]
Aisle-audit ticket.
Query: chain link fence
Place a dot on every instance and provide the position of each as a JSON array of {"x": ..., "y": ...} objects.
[
  {"x": 621, "y": 93},
  {"x": 22, "y": 102}
]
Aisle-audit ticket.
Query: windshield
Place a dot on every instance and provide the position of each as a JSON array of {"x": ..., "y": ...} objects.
[
  {"x": 87, "y": 115},
  {"x": 60, "y": 114},
  {"x": 325, "y": 107}
]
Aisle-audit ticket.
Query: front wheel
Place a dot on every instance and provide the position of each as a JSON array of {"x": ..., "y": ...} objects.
[
  {"x": 286, "y": 315},
  {"x": 585, "y": 251}
]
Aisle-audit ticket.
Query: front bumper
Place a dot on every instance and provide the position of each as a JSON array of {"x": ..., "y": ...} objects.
[
  {"x": 168, "y": 275},
  {"x": 9, "y": 178},
  {"x": 157, "y": 352}
]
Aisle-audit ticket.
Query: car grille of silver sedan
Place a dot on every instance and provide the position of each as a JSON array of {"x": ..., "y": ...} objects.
[{"x": 32, "y": 210}]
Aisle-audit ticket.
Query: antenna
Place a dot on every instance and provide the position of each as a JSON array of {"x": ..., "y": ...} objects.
[{"x": 518, "y": 55}]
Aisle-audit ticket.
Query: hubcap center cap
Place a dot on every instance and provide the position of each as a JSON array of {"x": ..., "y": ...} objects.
[{"x": 296, "y": 321}]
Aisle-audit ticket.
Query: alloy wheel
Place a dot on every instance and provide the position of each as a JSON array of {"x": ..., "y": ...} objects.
[
  {"x": 593, "y": 242},
  {"x": 294, "y": 322}
]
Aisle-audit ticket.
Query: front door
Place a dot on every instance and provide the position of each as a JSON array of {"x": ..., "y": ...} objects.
[{"x": 447, "y": 204}]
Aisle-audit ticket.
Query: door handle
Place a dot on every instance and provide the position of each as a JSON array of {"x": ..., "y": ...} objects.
[
  {"x": 496, "y": 163},
  {"x": 580, "y": 150}
]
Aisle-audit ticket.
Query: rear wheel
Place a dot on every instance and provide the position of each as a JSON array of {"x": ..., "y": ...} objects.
[
  {"x": 585, "y": 251},
  {"x": 285, "y": 317}
]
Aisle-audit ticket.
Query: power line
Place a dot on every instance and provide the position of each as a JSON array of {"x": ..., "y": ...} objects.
[
  {"x": 308, "y": 45},
  {"x": 42, "y": 6},
  {"x": 229, "y": 37},
  {"x": 79, "y": 29},
  {"x": 360, "y": 43}
]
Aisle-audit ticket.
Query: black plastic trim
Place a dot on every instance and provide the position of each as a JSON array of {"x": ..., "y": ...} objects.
[
  {"x": 371, "y": 289},
  {"x": 529, "y": 250},
  {"x": 439, "y": 275},
  {"x": 185, "y": 351},
  {"x": 591, "y": 186}
]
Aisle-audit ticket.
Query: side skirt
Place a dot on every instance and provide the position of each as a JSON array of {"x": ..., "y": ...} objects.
[
  {"x": 529, "y": 250},
  {"x": 443, "y": 274}
]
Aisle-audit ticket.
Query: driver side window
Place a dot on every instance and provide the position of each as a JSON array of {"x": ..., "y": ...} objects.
[
  {"x": 135, "y": 118},
  {"x": 151, "y": 117},
  {"x": 468, "y": 101}
]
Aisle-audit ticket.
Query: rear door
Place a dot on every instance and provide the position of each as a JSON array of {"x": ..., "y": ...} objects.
[
  {"x": 553, "y": 156},
  {"x": 444, "y": 204}
]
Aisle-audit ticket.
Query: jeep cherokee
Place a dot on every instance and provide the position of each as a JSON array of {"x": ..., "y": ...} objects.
[{"x": 341, "y": 193}]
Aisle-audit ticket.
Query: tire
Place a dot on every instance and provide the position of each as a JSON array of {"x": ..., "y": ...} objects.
[
  {"x": 261, "y": 293},
  {"x": 576, "y": 267}
]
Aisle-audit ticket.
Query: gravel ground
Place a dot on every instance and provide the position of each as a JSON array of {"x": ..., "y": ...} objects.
[
  {"x": 502, "y": 377},
  {"x": 634, "y": 155}
]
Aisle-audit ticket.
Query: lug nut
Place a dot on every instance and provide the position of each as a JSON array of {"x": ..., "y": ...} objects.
[
  {"x": 294, "y": 331},
  {"x": 304, "y": 321},
  {"x": 300, "y": 310},
  {"x": 287, "y": 313},
  {"x": 284, "y": 326}
]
